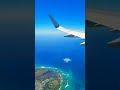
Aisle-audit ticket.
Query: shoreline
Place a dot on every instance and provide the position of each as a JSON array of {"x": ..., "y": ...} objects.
[{"x": 63, "y": 76}]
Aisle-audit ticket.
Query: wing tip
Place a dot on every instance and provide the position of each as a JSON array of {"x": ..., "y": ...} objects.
[{"x": 56, "y": 25}]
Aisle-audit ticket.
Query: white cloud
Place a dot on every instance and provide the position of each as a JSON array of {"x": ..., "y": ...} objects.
[{"x": 66, "y": 60}]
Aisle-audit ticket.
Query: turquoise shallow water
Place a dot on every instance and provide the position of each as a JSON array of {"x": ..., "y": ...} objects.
[
  {"x": 67, "y": 78},
  {"x": 51, "y": 50}
]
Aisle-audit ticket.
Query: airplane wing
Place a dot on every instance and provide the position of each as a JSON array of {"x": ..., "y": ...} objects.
[
  {"x": 70, "y": 33},
  {"x": 97, "y": 18},
  {"x": 105, "y": 18},
  {"x": 114, "y": 43}
]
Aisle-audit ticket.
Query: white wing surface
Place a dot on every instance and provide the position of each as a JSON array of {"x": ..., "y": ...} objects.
[{"x": 70, "y": 33}]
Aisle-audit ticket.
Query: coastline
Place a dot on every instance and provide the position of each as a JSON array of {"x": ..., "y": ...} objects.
[{"x": 64, "y": 77}]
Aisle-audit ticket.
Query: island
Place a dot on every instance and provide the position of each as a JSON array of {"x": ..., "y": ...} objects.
[{"x": 50, "y": 79}]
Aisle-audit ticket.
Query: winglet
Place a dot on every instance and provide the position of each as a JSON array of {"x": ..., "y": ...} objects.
[{"x": 54, "y": 22}]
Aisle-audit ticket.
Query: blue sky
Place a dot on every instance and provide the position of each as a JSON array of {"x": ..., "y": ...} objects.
[{"x": 69, "y": 14}]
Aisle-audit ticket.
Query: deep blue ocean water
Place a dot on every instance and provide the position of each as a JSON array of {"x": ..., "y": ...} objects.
[
  {"x": 52, "y": 48},
  {"x": 102, "y": 63}
]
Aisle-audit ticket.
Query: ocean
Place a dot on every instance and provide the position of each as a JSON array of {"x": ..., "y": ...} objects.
[
  {"x": 51, "y": 50},
  {"x": 102, "y": 64}
]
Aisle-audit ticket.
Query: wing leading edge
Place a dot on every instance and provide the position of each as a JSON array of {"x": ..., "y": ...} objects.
[{"x": 71, "y": 33}]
